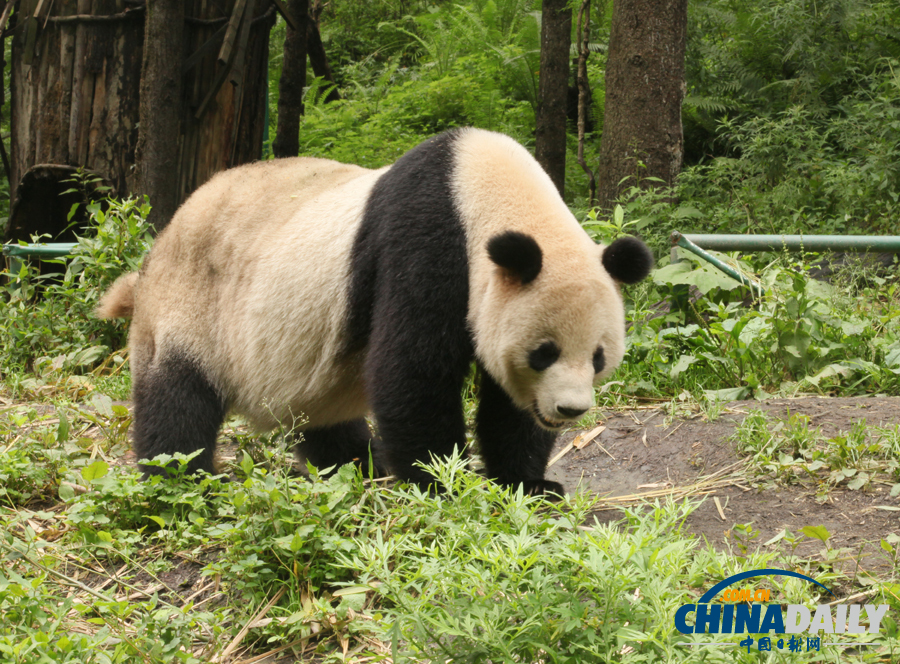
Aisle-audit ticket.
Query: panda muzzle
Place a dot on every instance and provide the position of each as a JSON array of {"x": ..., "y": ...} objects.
[{"x": 550, "y": 424}]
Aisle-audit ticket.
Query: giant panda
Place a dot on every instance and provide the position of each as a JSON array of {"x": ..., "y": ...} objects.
[{"x": 308, "y": 288}]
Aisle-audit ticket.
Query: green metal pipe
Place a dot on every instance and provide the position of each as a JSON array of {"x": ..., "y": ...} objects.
[
  {"x": 886, "y": 243},
  {"x": 683, "y": 241},
  {"x": 46, "y": 250}
]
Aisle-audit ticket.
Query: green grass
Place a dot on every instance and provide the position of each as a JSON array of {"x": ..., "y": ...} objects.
[
  {"x": 788, "y": 450},
  {"x": 342, "y": 569}
]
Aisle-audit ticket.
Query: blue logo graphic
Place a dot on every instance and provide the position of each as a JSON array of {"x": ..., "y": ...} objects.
[{"x": 725, "y": 610}]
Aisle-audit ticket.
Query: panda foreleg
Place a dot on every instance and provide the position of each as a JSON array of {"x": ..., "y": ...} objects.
[
  {"x": 176, "y": 409},
  {"x": 514, "y": 448},
  {"x": 339, "y": 444},
  {"x": 418, "y": 417}
]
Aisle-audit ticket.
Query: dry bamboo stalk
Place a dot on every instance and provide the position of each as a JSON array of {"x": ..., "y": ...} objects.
[
  {"x": 202, "y": 50},
  {"x": 719, "y": 508},
  {"x": 6, "y": 13},
  {"x": 110, "y": 579},
  {"x": 605, "y": 450},
  {"x": 231, "y": 33},
  {"x": 236, "y": 77},
  {"x": 47, "y": 15},
  {"x": 701, "y": 487},
  {"x": 561, "y": 453},
  {"x": 246, "y": 628},
  {"x": 196, "y": 593},
  {"x": 583, "y": 439}
]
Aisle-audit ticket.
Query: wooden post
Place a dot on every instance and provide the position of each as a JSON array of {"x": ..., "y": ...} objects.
[
  {"x": 550, "y": 120},
  {"x": 79, "y": 101}
]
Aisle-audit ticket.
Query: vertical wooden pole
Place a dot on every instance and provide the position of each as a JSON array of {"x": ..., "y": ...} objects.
[
  {"x": 159, "y": 133},
  {"x": 550, "y": 120}
]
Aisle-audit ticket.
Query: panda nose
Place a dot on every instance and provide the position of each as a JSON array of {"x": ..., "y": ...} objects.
[{"x": 570, "y": 413}]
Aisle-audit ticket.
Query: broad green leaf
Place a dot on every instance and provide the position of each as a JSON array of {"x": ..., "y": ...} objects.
[
  {"x": 828, "y": 372},
  {"x": 88, "y": 356},
  {"x": 67, "y": 493},
  {"x": 158, "y": 520},
  {"x": 852, "y": 329},
  {"x": 62, "y": 429},
  {"x": 858, "y": 482},
  {"x": 727, "y": 394},
  {"x": 705, "y": 278},
  {"x": 681, "y": 365},
  {"x": 777, "y": 538},
  {"x": 247, "y": 464},
  {"x": 892, "y": 359},
  {"x": 102, "y": 403},
  {"x": 673, "y": 273},
  {"x": 816, "y": 532},
  {"x": 351, "y": 590},
  {"x": 95, "y": 471}
]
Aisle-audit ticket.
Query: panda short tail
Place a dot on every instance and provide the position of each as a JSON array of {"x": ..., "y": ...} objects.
[{"x": 118, "y": 301}]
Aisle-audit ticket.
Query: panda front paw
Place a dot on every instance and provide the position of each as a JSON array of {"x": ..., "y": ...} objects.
[{"x": 551, "y": 490}]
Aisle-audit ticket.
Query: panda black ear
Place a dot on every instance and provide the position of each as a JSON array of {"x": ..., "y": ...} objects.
[
  {"x": 627, "y": 260},
  {"x": 518, "y": 254}
]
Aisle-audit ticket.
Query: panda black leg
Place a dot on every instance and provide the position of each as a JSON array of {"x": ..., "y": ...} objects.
[
  {"x": 419, "y": 415},
  {"x": 341, "y": 443},
  {"x": 514, "y": 448},
  {"x": 176, "y": 409}
]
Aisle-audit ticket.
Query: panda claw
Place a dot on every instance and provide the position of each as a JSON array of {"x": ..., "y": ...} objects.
[{"x": 552, "y": 491}]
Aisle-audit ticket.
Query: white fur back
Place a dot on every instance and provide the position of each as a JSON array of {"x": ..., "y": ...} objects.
[{"x": 262, "y": 258}]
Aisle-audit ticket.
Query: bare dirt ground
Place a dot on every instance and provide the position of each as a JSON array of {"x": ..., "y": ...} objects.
[{"x": 644, "y": 452}]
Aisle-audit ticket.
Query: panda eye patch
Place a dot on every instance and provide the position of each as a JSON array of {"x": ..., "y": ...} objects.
[
  {"x": 599, "y": 361},
  {"x": 543, "y": 356}
]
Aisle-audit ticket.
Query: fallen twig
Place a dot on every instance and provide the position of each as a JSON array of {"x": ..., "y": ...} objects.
[{"x": 236, "y": 641}]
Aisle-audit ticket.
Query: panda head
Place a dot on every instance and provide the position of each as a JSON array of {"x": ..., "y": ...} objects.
[{"x": 551, "y": 332}]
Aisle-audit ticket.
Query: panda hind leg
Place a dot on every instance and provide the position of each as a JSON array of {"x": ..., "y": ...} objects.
[
  {"x": 515, "y": 450},
  {"x": 339, "y": 444},
  {"x": 176, "y": 409}
]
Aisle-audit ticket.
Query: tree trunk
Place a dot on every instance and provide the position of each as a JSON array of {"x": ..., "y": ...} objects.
[
  {"x": 316, "y": 49},
  {"x": 75, "y": 80},
  {"x": 225, "y": 113},
  {"x": 642, "y": 135},
  {"x": 550, "y": 119},
  {"x": 582, "y": 33},
  {"x": 293, "y": 80},
  {"x": 161, "y": 108},
  {"x": 74, "y": 89}
]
